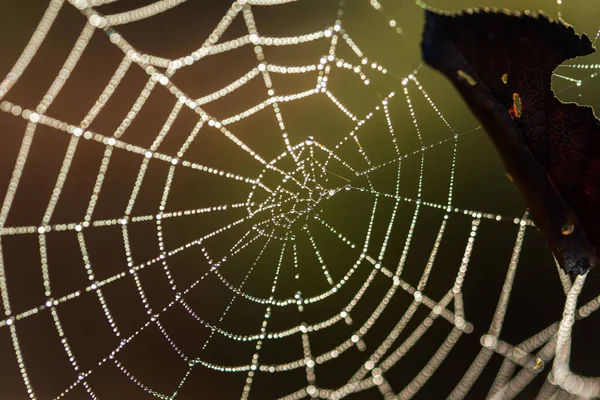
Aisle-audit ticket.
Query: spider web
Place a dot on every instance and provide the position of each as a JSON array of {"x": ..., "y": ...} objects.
[{"x": 215, "y": 249}]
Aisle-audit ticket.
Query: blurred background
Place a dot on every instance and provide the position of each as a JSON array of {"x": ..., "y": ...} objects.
[{"x": 229, "y": 278}]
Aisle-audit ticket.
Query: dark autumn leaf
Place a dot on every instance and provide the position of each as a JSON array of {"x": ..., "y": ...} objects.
[{"x": 502, "y": 65}]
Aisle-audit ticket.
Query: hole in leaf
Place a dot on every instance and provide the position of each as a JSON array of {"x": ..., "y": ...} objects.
[
  {"x": 568, "y": 227},
  {"x": 466, "y": 77},
  {"x": 515, "y": 110},
  {"x": 505, "y": 78}
]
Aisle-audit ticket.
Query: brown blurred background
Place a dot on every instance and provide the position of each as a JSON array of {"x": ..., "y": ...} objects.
[{"x": 479, "y": 184}]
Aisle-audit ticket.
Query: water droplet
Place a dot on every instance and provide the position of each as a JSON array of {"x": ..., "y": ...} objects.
[{"x": 537, "y": 365}]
